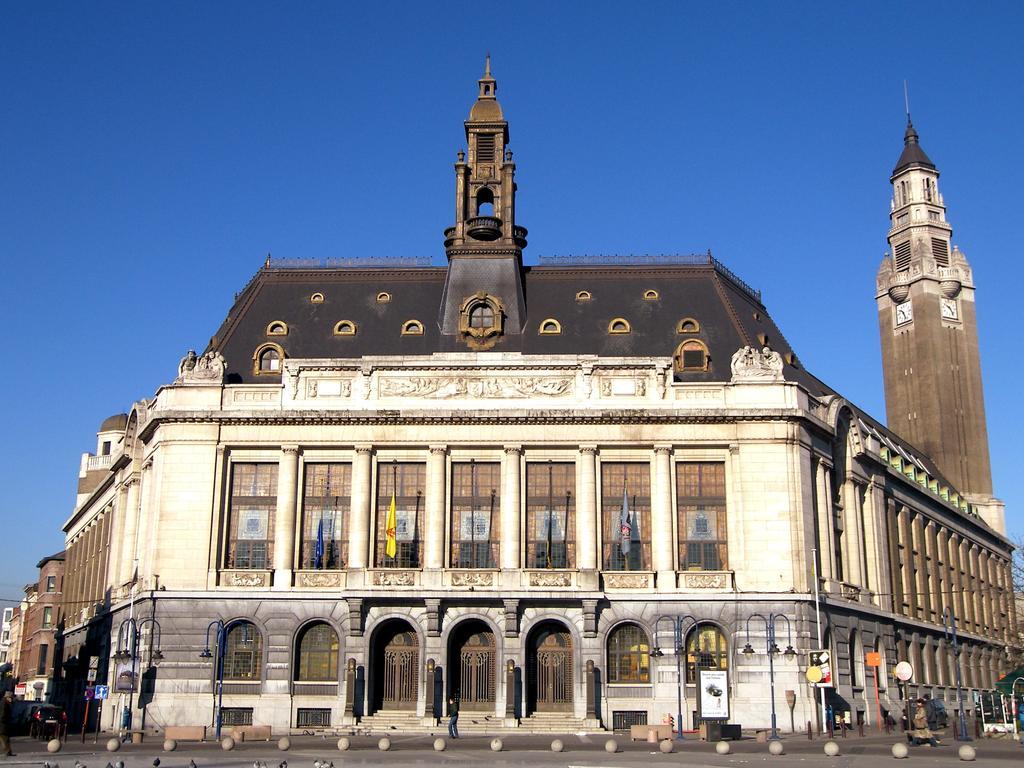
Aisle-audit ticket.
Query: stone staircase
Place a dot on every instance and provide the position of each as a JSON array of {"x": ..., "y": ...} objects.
[{"x": 473, "y": 723}]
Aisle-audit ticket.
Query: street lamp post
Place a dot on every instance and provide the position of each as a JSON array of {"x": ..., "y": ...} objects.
[
  {"x": 771, "y": 648},
  {"x": 949, "y": 627},
  {"x": 128, "y": 650},
  {"x": 678, "y": 623},
  {"x": 221, "y": 638}
]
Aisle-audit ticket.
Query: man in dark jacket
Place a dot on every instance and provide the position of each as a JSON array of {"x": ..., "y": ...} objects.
[
  {"x": 453, "y": 717},
  {"x": 5, "y": 724}
]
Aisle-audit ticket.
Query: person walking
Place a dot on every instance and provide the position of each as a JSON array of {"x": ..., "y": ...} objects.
[
  {"x": 921, "y": 733},
  {"x": 5, "y": 724},
  {"x": 453, "y": 717}
]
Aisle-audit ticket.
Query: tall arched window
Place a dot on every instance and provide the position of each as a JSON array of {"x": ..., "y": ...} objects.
[
  {"x": 629, "y": 655},
  {"x": 243, "y": 652},
  {"x": 857, "y": 671},
  {"x": 706, "y": 648},
  {"x": 317, "y": 654}
]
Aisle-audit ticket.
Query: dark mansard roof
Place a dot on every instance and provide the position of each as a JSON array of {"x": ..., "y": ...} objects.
[{"x": 729, "y": 313}]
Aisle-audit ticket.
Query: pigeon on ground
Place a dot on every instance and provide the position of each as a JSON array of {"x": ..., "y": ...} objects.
[
  {"x": 284, "y": 764},
  {"x": 191, "y": 764},
  {"x": 156, "y": 762}
]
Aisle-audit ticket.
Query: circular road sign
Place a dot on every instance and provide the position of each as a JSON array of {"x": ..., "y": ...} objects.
[{"x": 903, "y": 671}]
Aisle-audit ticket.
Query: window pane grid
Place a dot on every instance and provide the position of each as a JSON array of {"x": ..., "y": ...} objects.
[
  {"x": 705, "y": 649},
  {"x": 408, "y": 481},
  {"x": 700, "y": 504},
  {"x": 242, "y": 652},
  {"x": 318, "y": 655},
  {"x": 635, "y": 480},
  {"x": 475, "y": 524},
  {"x": 251, "y": 516},
  {"x": 550, "y": 515},
  {"x": 327, "y": 496},
  {"x": 629, "y": 655}
]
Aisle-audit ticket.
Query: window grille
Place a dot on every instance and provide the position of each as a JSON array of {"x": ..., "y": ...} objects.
[
  {"x": 251, "y": 524},
  {"x": 940, "y": 252},
  {"x": 902, "y": 256},
  {"x": 700, "y": 501},
  {"x": 325, "y": 511},
  {"x": 243, "y": 652},
  {"x": 485, "y": 148},
  {"x": 629, "y": 655},
  {"x": 318, "y": 654},
  {"x": 550, "y": 515},
  {"x": 627, "y": 537},
  {"x": 407, "y": 481},
  {"x": 236, "y": 716},
  {"x": 706, "y": 648},
  {"x": 313, "y": 718},
  {"x": 623, "y": 720},
  {"x": 475, "y": 515}
]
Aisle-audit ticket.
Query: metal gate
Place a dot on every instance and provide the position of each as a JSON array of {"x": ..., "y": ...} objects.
[
  {"x": 401, "y": 664},
  {"x": 477, "y": 667},
  {"x": 553, "y": 671}
]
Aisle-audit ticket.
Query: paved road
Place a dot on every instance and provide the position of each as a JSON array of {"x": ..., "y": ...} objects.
[{"x": 529, "y": 751}]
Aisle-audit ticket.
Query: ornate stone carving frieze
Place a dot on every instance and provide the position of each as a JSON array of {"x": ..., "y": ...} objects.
[
  {"x": 317, "y": 388},
  {"x": 696, "y": 580},
  {"x": 549, "y": 579},
  {"x": 245, "y": 578},
  {"x": 627, "y": 580},
  {"x": 320, "y": 579},
  {"x": 444, "y": 387},
  {"x": 396, "y": 578},
  {"x": 472, "y": 579}
]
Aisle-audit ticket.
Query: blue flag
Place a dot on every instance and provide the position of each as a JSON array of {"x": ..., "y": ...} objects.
[
  {"x": 625, "y": 525},
  {"x": 318, "y": 550}
]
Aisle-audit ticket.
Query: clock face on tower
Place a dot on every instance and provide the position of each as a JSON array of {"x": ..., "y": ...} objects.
[
  {"x": 904, "y": 313},
  {"x": 949, "y": 310}
]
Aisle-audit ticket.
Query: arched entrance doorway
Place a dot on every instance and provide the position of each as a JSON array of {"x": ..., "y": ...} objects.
[
  {"x": 472, "y": 666},
  {"x": 549, "y": 665},
  {"x": 394, "y": 681}
]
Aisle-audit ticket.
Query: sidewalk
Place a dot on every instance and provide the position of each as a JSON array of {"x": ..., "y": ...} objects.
[{"x": 518, "y": 750}]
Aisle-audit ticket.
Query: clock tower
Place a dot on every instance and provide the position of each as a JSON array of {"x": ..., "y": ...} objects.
[{"x": 928, "y": 327}]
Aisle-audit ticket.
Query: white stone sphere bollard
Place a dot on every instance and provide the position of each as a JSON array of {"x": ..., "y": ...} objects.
[
  {"x": 775, "y": 747},
  {"x": 384, "y": 744},
  {"x": 170, "y": 745},
  {"x": 440, "y": 745},
  {"x": 831, "y": 748},
  {"x": 284, "y": 743},
  {"x": 344, "y": 743},
  {"x": 53, "y": 745},
  {"x": 557, "y": 745},
  {"x": 497, "y": 745},
  {"x": 113, "y": 745},
  {"x": 666, "y": 746},
  {"x": 227, "y": 743},
  {"x": 723, "y": 748},
  {"x": 611, "y": 746},
  {"x": 966, "y": 753},
  {"x": 899, "y": 750}
]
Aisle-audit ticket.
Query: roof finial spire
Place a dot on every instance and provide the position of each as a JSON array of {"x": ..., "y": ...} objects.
[
  {"x": 487, "y": 65},
  {"x": 906, "y": 101}
]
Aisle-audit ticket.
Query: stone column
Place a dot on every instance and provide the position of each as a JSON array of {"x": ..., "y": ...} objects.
[
  {"x": 359, "y": 520},
  {"x": 661, "y": 518},
  {"x": 945, "y": 588},
  {"x": 433, "y": 538},
  {"x": 854, "y": 556},
  {"x": 129, "y": 550},
  {"x": 586, "y": 509},
  {"x": 120, "y": 515},
  {"x": 823, "y": 495},
  {"x": 285, "y": 516},
  {"x": 510, "y": 507}
]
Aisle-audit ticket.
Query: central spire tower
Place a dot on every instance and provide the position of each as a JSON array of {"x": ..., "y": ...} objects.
[{"x": 485, "y": 247}]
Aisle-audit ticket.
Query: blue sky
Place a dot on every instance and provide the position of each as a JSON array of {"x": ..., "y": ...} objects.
[{"x": 151, "y": 155}]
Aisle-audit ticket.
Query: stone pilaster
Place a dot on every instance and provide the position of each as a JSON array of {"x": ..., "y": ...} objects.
[
  {"x": 823, "y": 510},
  {"x": 359, "y": 530},
  {"x": 586, "y": 509},
  {"x": 661, "y": 518},
  {"x": 433, "y": 540},
  {"x": 510, "y": 507},
  {"x": 131, "y": 530},
  {"x": 285, "y": 516}
]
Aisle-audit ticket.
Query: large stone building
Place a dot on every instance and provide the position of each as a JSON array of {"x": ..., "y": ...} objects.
[{"x": 393, "y": 482}]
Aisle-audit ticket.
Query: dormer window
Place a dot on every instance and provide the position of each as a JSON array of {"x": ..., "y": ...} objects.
[
  {"x": 316, "y": 298},
  {"x": 550, "y": 327},
  {"x": 480, "y": 320},
  {"x": 691, "y": 355},
  {"x": 267, "y": 360},
  {"x": 619, "y": 325},
  {"x": 651, "y": 295},
  {"x": 344, "y": 328},
  {"x": 412, "y": 328},
  {"x": 689, "y": 325},
  {"x": 584, "y": 296},
  {"x": 277, "y": 328}
]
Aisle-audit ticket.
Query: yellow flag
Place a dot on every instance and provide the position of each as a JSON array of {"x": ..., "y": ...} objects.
[{"x": 391, "y": 529}]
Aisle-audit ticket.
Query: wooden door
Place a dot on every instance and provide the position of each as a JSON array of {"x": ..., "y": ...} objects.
[
  {"x": 401, "y": 667},
  {"x": 477, "y": 668},
  {"x": 553, "y": 671}
]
